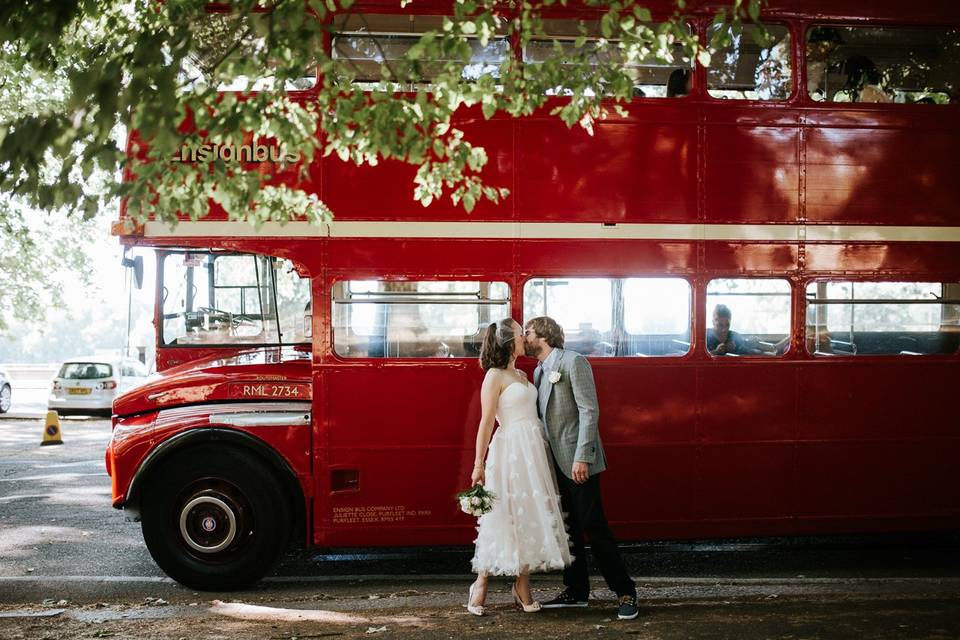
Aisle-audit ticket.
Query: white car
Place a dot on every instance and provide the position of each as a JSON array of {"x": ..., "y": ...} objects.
[
  {"x": 6, "y": 392},
  {"x": 87, "y": 386}
]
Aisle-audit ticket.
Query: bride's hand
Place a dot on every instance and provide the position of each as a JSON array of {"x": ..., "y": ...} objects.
[{"x": 477, "y": 476}]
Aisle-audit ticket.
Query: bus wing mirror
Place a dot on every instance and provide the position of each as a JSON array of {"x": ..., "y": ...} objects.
[{"x": 137, "y": 264}]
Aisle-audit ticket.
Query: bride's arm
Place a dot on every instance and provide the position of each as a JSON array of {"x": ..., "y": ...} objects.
[{"x": 489, "y": 394}]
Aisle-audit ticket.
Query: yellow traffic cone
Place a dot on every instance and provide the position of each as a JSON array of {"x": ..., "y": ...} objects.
[{"x": 51, "y": 432}]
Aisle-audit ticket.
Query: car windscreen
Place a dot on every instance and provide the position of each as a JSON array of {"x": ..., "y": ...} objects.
[{"x": 85, "y": 371}]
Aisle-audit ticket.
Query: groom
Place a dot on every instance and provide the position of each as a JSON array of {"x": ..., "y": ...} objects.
[{"x": 567, "y": 404}]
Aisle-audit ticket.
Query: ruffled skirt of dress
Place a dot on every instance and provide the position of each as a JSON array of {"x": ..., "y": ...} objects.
[{"x": 525, "y": 530}]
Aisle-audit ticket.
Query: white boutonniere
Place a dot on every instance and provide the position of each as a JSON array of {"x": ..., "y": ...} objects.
[{"x": 554, "y": 377}]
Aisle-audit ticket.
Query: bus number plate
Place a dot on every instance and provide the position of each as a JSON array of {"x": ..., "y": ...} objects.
[{"x": 270, "y": 390}]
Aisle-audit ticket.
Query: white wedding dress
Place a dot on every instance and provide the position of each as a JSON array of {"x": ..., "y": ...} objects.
[{"x": 525, "y": 530}]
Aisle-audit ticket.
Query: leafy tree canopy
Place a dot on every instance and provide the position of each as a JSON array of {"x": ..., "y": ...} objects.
[{"x": 82, "y": 70}]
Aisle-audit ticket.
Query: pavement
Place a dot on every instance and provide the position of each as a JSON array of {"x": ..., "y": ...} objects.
[{"x": 71, "y": 566}]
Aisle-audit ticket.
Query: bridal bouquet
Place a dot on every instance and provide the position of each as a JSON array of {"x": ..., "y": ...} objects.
[{"x": 476, "y": 501}]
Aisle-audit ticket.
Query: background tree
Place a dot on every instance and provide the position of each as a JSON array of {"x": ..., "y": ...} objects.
[
  {"x": 157, "y": 65},
  {"x": 78, "y": 74}
]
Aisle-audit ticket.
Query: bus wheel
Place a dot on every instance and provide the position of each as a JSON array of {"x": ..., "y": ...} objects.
[{"x": 215, "y": 519}]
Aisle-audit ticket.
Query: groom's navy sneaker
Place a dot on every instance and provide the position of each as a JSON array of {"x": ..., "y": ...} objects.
[
  {"x": 565, "y": 598},
  {"x": 628, "y": 607}
]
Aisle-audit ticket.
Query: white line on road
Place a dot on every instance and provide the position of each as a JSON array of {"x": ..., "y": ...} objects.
[
  {"x": 53, "y": 476},
  {"x": 97, "y": 462}
]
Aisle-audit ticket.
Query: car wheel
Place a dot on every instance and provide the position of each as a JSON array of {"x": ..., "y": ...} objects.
[
  {"x": 215, "y": 518},
  {"x": 6, "y": 398}
]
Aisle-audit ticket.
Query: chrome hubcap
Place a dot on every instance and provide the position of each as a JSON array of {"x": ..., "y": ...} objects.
[
  {"x": 208, "y": 523},
  {"x": 5, "y": 396}
]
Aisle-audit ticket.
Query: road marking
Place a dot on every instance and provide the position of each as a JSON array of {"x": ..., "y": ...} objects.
[
  {"x": 69, "y": 464},
  {"x": 53, "y": 476}
]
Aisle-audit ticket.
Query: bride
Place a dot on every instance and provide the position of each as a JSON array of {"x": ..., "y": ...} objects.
[{"x": 524, "y": 532}]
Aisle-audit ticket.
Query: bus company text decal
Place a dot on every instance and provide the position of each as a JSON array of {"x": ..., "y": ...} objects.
[
  {"x": 375, "y": 514},
  {"x": 213, "y": 151}
]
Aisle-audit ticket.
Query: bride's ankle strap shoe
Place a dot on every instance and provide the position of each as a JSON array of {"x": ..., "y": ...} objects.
[
  {"x": 533, "y": 607},
  {"x": 476, "y": 610}
]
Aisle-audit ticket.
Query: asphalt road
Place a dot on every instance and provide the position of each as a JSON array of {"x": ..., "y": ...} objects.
[{"x": 70, "y": 565}]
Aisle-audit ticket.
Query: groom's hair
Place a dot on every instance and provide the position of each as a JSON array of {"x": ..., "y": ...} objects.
[{"x": 547, "y": 328}]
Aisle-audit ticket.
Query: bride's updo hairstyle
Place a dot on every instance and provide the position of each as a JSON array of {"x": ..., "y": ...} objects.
[{"x": 497, "y": 347}]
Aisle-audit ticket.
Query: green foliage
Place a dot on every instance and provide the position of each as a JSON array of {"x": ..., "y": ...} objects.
[
  {"x": 40, "y": 258},
  {"x": 155, "y": 67}
]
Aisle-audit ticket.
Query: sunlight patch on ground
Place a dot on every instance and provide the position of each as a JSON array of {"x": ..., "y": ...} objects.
[
  {"x": 273, "y": 614},
  {"x": 22, "y": 542}
]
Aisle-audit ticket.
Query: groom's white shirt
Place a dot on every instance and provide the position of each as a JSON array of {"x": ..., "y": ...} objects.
[{"x": 542, "y": 380}]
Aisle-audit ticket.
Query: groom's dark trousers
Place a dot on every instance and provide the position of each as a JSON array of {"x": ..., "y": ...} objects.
[{"x": 585, "y": 517}]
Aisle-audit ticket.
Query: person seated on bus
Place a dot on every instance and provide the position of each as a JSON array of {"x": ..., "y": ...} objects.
[
  {"x": 721, "y": 340},
  {"x": 863, "y": 81},
  {"x": 679, "y": 83}
]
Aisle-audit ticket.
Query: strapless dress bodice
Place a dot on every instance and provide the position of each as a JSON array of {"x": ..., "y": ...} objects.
[{"x": 518, "y": 403}]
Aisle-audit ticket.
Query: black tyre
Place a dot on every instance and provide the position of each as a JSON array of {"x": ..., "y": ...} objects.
[{"x": 215, "y": 518}]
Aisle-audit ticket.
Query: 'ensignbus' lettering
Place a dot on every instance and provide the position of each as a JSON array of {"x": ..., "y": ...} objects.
[{"x": 211, "y": 152}]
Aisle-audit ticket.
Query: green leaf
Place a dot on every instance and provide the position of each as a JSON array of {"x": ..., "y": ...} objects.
[
  {"x": 606, "y": 25},
  {"x": 469, "y": 201}
]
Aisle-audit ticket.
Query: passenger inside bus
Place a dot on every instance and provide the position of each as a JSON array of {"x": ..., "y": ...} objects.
[
  {"x": 864, "y": 80},
  {"x": 679, "y": 83},
  {"x": 721, "y": 340}
]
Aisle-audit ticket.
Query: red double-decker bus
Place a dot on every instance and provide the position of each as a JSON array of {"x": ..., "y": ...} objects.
[{"x": 796, "y": 204}]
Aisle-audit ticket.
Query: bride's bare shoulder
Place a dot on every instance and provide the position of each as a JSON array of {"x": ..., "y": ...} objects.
[
  {"x": 493, "y": 374},
  {"x": 495, "y": 377}
]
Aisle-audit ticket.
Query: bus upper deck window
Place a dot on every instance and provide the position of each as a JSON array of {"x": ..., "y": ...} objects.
[
  {"x": 660, "y": 74},
  {"x": 750, "y": 65},
  {"x": 215, "y": 42},
  {"x": 365, "y": 43},
  {"x": 883, "y": 64}
]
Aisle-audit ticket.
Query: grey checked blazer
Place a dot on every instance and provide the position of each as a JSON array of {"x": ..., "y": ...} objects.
[{"x": 570, "y": 411}]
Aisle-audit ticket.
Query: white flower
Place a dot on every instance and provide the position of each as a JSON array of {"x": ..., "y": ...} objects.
[
  {"x": 474, "y": 500},
  {"x": 486, "y": 500},
  {"x": 554, "y": 377}
]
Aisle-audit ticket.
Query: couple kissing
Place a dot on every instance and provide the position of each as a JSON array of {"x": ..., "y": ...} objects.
[{"x": 544, "y": 459}]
